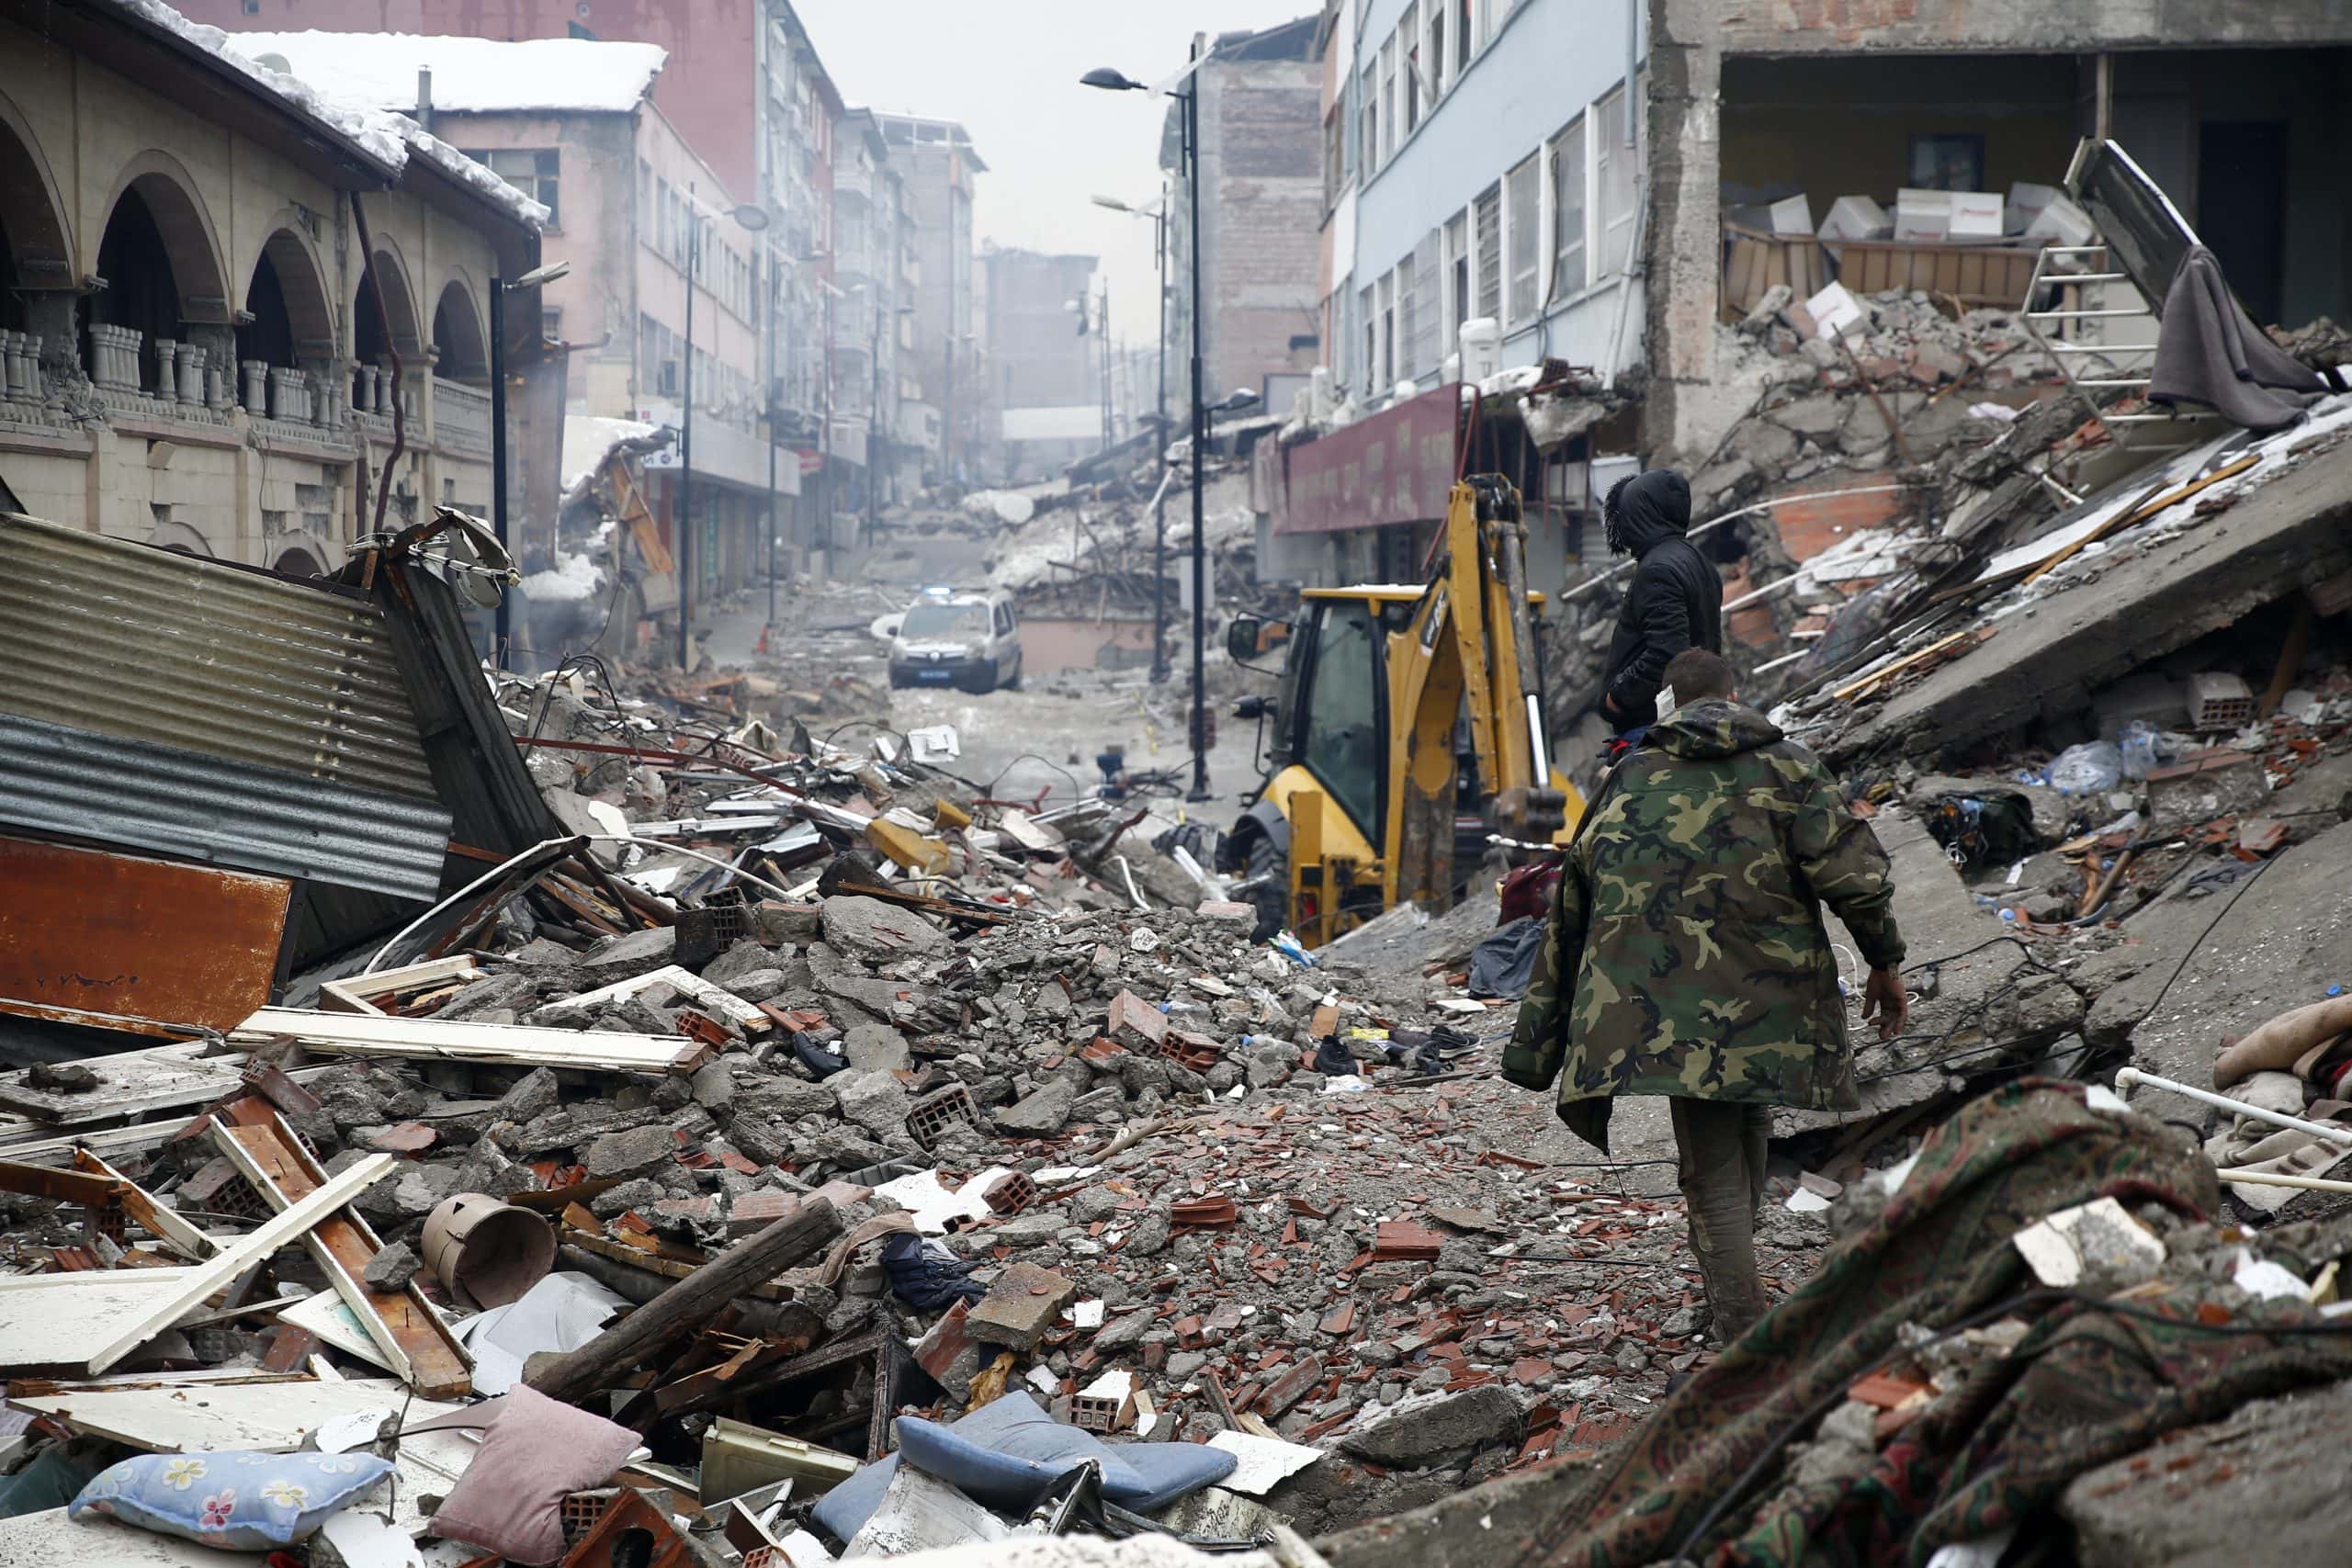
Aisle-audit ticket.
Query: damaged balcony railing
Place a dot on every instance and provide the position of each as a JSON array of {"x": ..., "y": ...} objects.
[
  {"x": 460, "y": 415},
  {"x": 2124, "y": 367}
]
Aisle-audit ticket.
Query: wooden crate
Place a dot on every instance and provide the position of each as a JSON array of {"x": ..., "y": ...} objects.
[
  {"x": 1974, "y": 275},
  {"x": 1755, "y": 261}
]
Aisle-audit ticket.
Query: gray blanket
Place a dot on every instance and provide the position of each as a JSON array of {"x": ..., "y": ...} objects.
[{"x": 2208, "y": 351}]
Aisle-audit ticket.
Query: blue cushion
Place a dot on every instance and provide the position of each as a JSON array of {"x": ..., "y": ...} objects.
[
  {"x": 1004, "y": 1455},
  {"x": 236, "y": 1501},
  {"x": 1171, "y": 1471}
]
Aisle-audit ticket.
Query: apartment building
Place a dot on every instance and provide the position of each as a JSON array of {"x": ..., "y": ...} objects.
[{"x": 940, "y": 170}]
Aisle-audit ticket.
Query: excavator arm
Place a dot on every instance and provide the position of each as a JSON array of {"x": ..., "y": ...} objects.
[{"x": 1468, "y": 653}]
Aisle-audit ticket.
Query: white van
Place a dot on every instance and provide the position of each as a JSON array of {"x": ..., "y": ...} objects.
[{"x": 967, "y": 640}]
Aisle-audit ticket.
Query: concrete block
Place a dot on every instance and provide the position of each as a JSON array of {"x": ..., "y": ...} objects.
[{"x": 1021, "y": 1306}]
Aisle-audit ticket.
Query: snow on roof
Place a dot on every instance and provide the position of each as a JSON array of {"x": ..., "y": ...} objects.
[
  {"x": 588, "y": 439},
  {"x": 390, "y": 139},
  {"x": 470, "y": 76}
]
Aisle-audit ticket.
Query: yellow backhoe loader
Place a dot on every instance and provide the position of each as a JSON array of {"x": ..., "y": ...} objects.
[{"x": 1407, "y": 729}]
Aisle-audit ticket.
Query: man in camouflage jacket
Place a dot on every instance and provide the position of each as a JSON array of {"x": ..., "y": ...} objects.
[{"x": 1686, "y": 956}]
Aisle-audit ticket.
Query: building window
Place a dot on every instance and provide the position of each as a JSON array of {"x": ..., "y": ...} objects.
[
  {"x": 1568, "y": 211},
  {"x": 531, "y": 172},
  {"x": 1462, "y": 36},
  {"x": 1616, "y": 168},
  {"x": 1408, "y": 47},
  {"x": 1457, "y": 281},
  {"x": 1371, "y": 341},
  {"x": 1334, "y": 150},
  {"x": 1525, "y": 190},
  {"x": 1387, "y": 100},
  {"x": 1407, "y": 364},
  {"x": 1439, "y": 78},
  {"x": 1387, "y": 332},
  {"x": 1487, "y": 224},
  {"x": 1948, "y": 162},
  {"x": 1368, "y": 149}
]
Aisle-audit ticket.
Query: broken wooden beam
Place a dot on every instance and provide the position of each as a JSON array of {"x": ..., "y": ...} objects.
[
  {"x": 687, "y": 1305},
  {"x": 344, "y": 1034}
]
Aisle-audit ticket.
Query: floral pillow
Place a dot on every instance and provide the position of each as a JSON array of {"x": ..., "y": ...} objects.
[{"x": 238, "y": 1502}]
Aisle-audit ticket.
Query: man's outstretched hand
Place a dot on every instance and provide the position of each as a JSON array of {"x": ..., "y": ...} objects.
[{"x": 1884, "y": 999}]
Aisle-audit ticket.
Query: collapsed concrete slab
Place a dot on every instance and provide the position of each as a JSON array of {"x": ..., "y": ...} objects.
[{"x": 2046, "y": 657}]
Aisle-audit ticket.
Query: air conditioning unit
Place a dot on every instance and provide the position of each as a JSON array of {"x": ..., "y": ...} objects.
[{"x": 1482, "y": 348}]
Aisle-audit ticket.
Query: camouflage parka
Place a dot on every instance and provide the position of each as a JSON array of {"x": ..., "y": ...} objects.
[{"x": 1686, "y": 953}]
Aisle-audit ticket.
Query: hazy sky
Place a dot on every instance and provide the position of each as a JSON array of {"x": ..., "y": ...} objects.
[{"x": 1008, "y": 70}]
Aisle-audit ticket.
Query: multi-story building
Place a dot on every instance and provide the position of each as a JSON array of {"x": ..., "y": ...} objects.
[
  {"x": 1043, "y": 359},
  {"x": 233, "y": 310},
  {"x": 571, "y": 123},
  {"x": 743, "y": 86},
  {"x": 869, "y": 271},
  {"x": 1261, "y": 203},
  {"x": 939, "y": 165}
]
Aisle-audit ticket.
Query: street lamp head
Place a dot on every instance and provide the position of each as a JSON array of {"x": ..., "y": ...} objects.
[
  {"x": 1111, "y": 81},
  {"x": 1112, "y": 202},
  {"x": 1242, "y": 398},
  {"x": 751, "y": 216},
  {"x": 542, "y": 274}
]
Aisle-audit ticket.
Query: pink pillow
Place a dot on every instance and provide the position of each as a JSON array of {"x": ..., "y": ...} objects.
[{"x": 538, "y": 1451}]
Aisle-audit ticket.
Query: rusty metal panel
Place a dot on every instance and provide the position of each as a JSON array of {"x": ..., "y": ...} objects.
[
  {"x": 1397, "y": 466},
  {"x": 142, "y": 644},
  {"x": 87, "y": 931},
  {"x": 58, "y": 780}
]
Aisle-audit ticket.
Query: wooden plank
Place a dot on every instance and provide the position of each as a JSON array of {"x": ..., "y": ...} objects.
[
  {"x": 683, "y": 981},
  {"x": 410, "y": 977},
  {"x": 160, "y": 1221},
  {"x": 193, "y": 1284},
  {"x": 132, "y": 1084},
  {"x": 2142, "y": 512},
  {"x": 277, "y": 1416},
  {"x": 57, "y": 1186},
  {"x": 337, "y": 1034},
  {"x": 416, "y": 1344},
  {"x": 63, "y": 1320}
]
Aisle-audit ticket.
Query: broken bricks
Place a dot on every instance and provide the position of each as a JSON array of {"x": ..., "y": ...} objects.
[{"x": 1021, "y": 1306}]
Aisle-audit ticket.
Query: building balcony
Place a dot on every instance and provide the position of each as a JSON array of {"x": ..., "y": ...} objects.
[{"x": 460, "y": 417}]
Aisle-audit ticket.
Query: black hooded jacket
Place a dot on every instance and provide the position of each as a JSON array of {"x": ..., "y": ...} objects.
[{"x": 1676, "y": 602}]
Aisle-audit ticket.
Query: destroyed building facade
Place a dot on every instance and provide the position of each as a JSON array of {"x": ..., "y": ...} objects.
[{"x": 200, "y": 349}]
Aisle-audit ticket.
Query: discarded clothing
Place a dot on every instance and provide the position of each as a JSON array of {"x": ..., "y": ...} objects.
[
  {"x": 2081, "y": 1388},
  {"x": 2210, "y": 351},
  {"x": 1332, "y": 1060},
  {"x": 1504, "y": 960},
  {"x": 927, "y": 1275}
]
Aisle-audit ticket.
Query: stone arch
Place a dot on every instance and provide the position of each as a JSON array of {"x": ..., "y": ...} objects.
[
  {"x": 296, "y": 558},
  {"x": 181, "y": 539},
  {"x": 183, "y": 225},
  {"x": 36, "y": 244},
  {"x": 387, "y": 270},
  {"x": 287, "y": 316},
  {"x": 458, "y": 336}
]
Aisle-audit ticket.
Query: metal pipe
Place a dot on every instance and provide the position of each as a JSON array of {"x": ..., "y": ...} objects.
[
  {"x": 1200, "y": 790},
  {"x": 505, "y": 623},
  {"x": 2281, "y": 1179},
  {"x": 684, "y": 510},
  {"x": 2127, "y": 1077}
]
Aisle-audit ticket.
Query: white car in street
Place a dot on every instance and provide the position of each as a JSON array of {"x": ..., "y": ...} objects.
[{"x": 971, "y": 641}]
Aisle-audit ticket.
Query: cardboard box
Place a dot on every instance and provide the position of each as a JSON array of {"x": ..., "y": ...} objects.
[
  {"x": 1974, "y": 215},
  {"x": 2062, "y": 223},
  {"x": 1855, "y": 218},
  {"x": 1833, "y": 310},
  {"x": 1791, "y": 218},
  {"x": 2025, "y": 204},
  {"x": 1922, "y": 216}
]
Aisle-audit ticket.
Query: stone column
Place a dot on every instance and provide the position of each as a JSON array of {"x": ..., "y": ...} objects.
[
  {"x": 256, "y": 398},
  {"x": 167, "y": 379},
  {"x": 191, "y": 380},
  {"x": 1684, "y": 281}
]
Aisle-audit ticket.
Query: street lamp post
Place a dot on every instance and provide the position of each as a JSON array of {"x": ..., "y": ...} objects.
[{"x": 1190, "y": 96}]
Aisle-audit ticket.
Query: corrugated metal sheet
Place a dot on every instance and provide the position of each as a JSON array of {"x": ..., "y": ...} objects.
[
  {"x": 139, "y": 644},
  {"x": 193, "y": 806}
]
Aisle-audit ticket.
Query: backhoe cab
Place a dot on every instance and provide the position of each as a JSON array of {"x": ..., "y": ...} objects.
[{"x": 1407, "y": 728}]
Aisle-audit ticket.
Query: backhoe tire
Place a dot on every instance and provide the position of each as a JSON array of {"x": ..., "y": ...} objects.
[{"x": 1270, "y": 899}]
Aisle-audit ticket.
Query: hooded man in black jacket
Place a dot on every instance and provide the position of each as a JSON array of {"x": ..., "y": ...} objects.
[{"x": 1675, "y": 602}]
